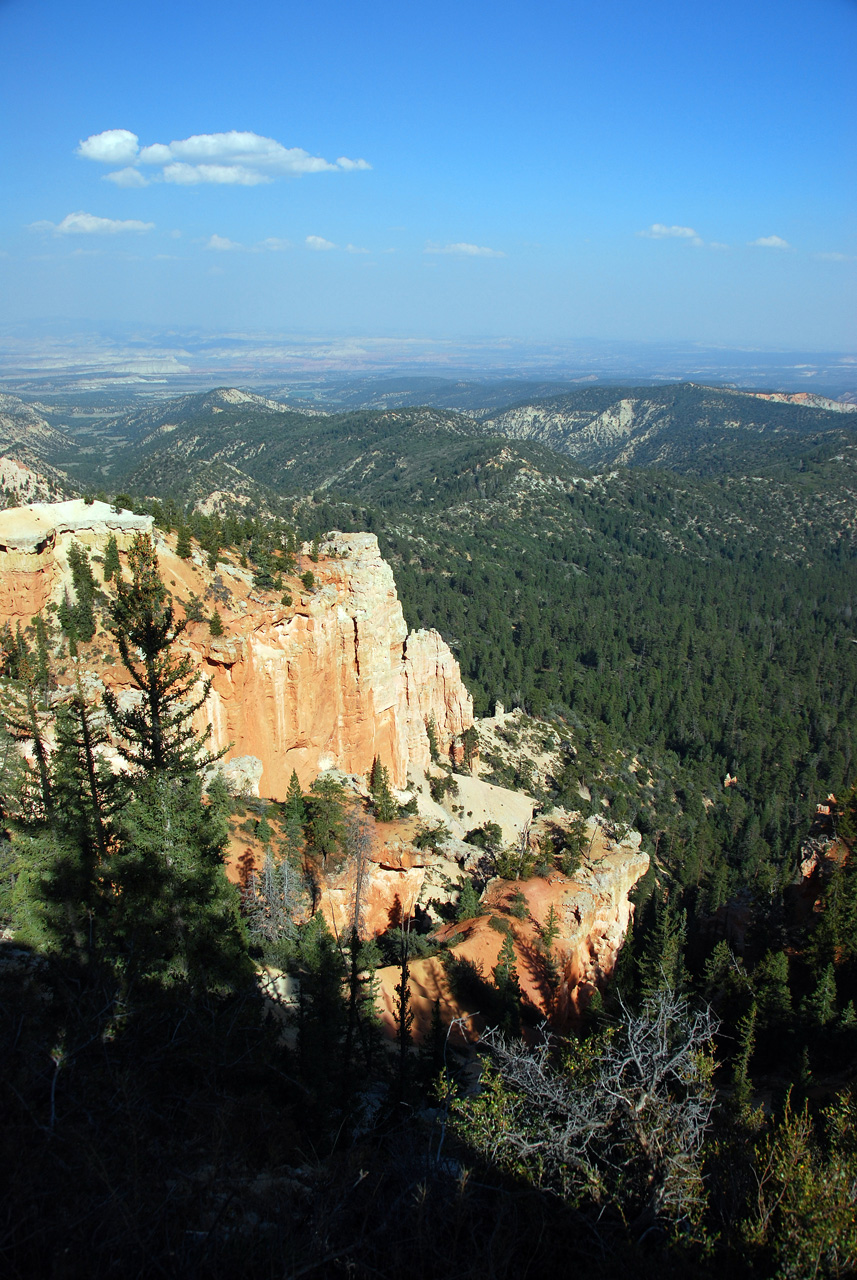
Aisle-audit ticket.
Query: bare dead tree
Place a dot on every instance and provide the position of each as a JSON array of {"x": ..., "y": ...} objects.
[{"x": 618, "y": 1125}]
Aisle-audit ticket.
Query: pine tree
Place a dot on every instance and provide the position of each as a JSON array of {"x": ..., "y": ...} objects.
[
  {"x": 386, "y": 809},
  {"x": 742, "y": 1085},
  {"x": 294, "y": 806},
  {"x": 431, "y": 733},
  {"x": 821, "y": 1006},
  {"x": 505, "y": 973},
  {"x": 112, "y": 567},
  {"x": 404, "y": 1015},
  {"x": 157, "y": 735},
  {"x": 325, "y": 829},
  {"x": 433, "y": 1046},
  {"x": 174, "y": 916},
  {"x": 184, "y": 550},
  {"x": 82, "y": 615},
  {"x": 469, "y": 906},
  {"x": 321, "y": 1010},
  {"x": 215, "y": 624}
]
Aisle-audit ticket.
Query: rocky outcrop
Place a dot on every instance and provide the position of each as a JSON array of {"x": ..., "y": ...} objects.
[
  {"x": 333, "y": 680},
  {"x": 329, "y": 681},
  {"x": 34, "y": 543},
  {"x": 592, "y": 911}
]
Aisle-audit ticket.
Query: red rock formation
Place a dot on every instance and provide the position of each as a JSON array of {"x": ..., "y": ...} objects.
[
  {"x": 332, "y": 680},
  {"x": 592, "y": 911},
  {"x": 335, "y": 679}
]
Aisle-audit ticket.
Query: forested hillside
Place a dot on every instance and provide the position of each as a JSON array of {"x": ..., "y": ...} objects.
[{"x": 681, "y": 640}]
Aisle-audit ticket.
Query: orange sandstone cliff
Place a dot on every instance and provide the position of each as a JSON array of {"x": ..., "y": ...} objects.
[{"x": 329, "y": 681}]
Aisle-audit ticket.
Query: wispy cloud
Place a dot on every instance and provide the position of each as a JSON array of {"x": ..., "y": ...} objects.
[
  {"x": 221, "y": 244},
  {"x": 275, "y": 244},
  {"x": 770, "y": 242},
  {"x": 355, "y": 248},
  {"x": 836, "y": 257},
  {"x": 236, "y": 158},
  {"x": 319, "y": 242},
  {"x": 659, "y": 231},
  {"x": 88, "y": 224},
  {"x": 465, "y": 250}
]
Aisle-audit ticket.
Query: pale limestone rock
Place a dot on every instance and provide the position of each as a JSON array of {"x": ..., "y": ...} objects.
[{"x": 242, "y": 775}]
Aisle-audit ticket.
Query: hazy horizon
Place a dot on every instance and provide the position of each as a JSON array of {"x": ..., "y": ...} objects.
[{"x": 668, "y": 174}]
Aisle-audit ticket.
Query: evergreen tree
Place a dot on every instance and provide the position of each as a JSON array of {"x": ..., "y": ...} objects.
[
  {"x": 294, "y": 806},
  {"x": 431, "y": 732},
  {"x": 469, "y": 906},
  {"x": 386, "y": 808},
  {"x": 112, "y": 567},
  {"x": 505, "y": 973},
  {"x": 321, "y": 1009},
  {"x": 215, "y": 624},
  {"x": 173, "y": 915},
  {"x": 742, "y": 1085},
  {"x": 404, "y": 1015},
  {"x": 184, "y": 550},
  {"x": 771, "y": 985},
  {"x": 325, "y": 827},
  {"x": 85, "y": 590},
  {"x": 157, "y": 734},
  {"x": 821, "y": 1005}
]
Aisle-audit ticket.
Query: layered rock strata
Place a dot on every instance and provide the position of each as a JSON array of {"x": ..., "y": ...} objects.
[
  {"x": 33, "y": 547},
  {"x": 331, "y": 680},
  {"x": 592, "y": 913}
]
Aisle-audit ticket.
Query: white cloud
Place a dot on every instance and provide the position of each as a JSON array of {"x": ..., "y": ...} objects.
[
  {"x": 275, "y": 244},
  {"x": 127, "y": 177},
  {"x": 658, "y": 231},
  {"x": 770, "y": 242},
  {"x": 236, "y": 158},
  {"x": 114, "y": 146},
  {"x": 222, "y": 244},
  {"x": 465, "y": 250},
  {"x": 234, "y": 175},
  {"x": 717, "y": 244},
  {"x": 355, "y": 248},
  {"x": 319, "y": 242},
  {"x": 835, "y": 257},
  {"x": 87, "y": 224}
]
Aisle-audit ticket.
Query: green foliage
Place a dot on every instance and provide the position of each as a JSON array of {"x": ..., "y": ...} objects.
[
  {"x": 78, "y": 620},
  {"x": 489, "y": 836},
  {"x": 215, "y": 625},
  {"x": 112, "y": 567},
  {"x": 385, "y": 807},
  {"x": 184, "y": 549},
  {"x": 442, "y": 785},
  {"x": 322, "y": 1008},
  {"x": 431, "y": 836},
  {"x": 431, "y": 732},
  {"x": 173, "y": 915},
  {"x": 470, "y": 743},
  {"x": 157, "y": 733},
  {"x": 469, "y": 906},
  {"x": 518, "y": 905},
  {"x": 802, "y": 1221},
  {"x": 549, "y": 930},
  {"x": 308, "y": 580},
  {"x": 325, "y": 822},
  {"x": 505, "y": 974},
  {"x": 294, "y": 806}
]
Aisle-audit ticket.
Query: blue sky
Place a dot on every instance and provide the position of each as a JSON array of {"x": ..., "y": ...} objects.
[{"x": 667, "y": 171}]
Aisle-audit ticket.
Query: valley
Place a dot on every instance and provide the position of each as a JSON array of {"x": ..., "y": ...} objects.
[{"x": 508, "y": 715}]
